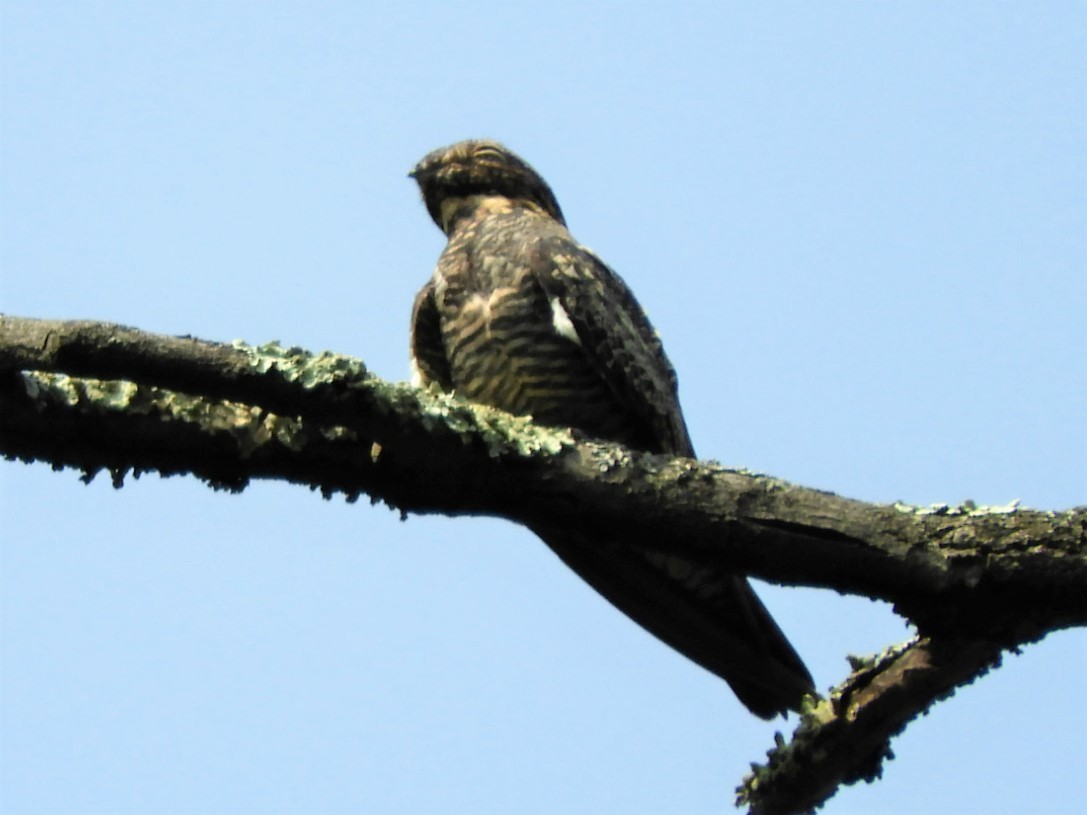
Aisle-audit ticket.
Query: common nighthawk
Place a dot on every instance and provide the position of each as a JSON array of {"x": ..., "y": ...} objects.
[{"x": 520, "y": 316}]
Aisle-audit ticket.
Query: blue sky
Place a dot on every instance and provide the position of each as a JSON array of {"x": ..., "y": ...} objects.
[{"x": 860, "y": 229}]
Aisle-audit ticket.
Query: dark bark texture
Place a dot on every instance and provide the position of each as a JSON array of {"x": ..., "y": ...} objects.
[{"x": 975, "y": 581}]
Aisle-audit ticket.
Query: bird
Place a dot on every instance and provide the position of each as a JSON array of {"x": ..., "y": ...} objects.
[{"x": 520, "y": 316}]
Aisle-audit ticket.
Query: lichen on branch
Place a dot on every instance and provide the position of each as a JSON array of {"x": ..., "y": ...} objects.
[{"x": 975, "y": 580}]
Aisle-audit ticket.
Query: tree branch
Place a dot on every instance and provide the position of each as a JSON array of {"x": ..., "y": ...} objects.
[
  {"x": 845, "y": 738},
  {"x": 975, "y": 580}
]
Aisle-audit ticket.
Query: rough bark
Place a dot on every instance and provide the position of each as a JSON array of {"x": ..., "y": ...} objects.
[{"x": 974, "y": 580}]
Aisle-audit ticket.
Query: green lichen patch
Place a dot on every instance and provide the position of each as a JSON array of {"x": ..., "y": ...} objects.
[
  {"x": 251, "y": 427},
  {"x": 299, "y": 365},
  {"x": 61, "y": 389},
  {"x": 965, "y": 508},
  {"x": 501, "y": 433}
]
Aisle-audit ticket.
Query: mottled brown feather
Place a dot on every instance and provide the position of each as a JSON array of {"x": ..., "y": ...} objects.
[{"x": 520, "y": 316}]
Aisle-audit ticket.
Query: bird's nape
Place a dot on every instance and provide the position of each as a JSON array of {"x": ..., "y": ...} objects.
[{"x": 480, "y": 167}]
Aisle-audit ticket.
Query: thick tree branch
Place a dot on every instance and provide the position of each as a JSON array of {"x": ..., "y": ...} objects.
[{"x": 974, "y": 580}]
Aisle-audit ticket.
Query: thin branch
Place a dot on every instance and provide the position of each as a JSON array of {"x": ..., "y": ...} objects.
[{"x": 845, "y": 738}]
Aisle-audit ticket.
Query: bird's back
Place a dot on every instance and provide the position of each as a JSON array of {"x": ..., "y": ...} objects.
[
  {"x": 505, "y": 339},
  {"x": 519, "y": 316}
]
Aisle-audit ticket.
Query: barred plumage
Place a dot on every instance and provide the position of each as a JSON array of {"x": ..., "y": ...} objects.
[{"x": 519, "y": 316}]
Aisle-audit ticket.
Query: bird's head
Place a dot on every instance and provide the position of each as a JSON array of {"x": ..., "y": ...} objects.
[{"x": 452, "y": 176}]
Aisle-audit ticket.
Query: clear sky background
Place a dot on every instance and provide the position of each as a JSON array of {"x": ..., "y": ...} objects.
[{"x": 860, "y": 229}]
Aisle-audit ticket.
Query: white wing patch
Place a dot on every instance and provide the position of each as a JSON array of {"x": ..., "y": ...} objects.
[
  {"x": 416, "y": 373},
  {"x": 562, "y": 323}
]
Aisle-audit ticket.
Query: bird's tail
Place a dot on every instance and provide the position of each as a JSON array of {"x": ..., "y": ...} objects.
[{"x": 712, "y": 617}]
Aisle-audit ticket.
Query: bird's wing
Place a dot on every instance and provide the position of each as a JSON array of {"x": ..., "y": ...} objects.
[
  {"x": 713, "y": 618},
  {"x": 615, "y": 335},
  {"x": 709, "y": 615},
  {"x": 428, "y": 359}
]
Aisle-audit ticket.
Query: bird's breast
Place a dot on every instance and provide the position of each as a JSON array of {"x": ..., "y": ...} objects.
[
  {"x": 500, "y": 352},
  {"x": 508, "y": 345},
  {"x": 505, "y": 350}
]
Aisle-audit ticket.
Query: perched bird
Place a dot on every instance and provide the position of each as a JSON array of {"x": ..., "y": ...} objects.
[{"x": 518, "y": 315}]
